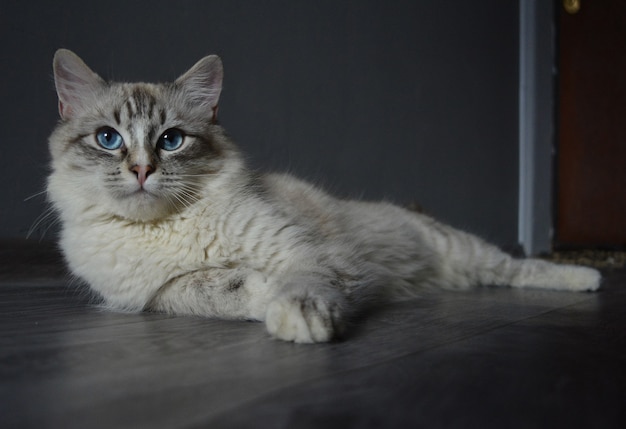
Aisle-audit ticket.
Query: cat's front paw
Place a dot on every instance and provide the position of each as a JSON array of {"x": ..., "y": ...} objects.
[{"x": 304, "y": 318}]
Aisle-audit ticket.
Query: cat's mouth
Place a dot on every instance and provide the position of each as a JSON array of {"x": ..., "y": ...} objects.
[
  {"x": 142, "y": 189},
  {"x": 139, "y": 194},
  {"x": 143, "y": 194}
]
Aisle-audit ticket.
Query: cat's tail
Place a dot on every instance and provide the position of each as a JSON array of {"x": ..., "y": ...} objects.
[{"x": 465, "y": 260}]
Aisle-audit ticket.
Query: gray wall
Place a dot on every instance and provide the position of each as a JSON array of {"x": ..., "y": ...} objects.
[{"x": 403, "y": 100}]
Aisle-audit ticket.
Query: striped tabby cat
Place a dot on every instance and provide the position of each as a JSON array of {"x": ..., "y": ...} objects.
[{"x": 160, "y": 213}]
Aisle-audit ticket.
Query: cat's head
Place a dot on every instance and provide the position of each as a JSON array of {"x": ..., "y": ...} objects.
[{"x": 135, "y": 150}]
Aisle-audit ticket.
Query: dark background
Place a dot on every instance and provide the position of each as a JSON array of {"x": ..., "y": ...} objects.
[{"x": 410, "y": 101}]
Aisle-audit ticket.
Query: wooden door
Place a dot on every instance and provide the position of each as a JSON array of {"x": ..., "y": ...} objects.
[{"x": 591, "y": 151}]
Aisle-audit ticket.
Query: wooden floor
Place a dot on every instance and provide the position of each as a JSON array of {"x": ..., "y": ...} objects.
[{"x": 489, "y": 358}]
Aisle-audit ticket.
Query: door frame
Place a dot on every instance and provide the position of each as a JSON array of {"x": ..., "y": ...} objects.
[{"x": 537, "y": 124}]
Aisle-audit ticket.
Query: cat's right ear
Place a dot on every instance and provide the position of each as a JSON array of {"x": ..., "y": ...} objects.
[{"x": 75, "y": 82}]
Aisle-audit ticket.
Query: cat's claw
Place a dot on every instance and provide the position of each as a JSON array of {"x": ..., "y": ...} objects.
[{"x": 303, "y": 319}]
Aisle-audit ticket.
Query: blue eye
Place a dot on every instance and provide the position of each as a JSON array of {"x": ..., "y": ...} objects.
[
  {"x": 171, "y": 139},
  {"x": 109, "y": 139}
]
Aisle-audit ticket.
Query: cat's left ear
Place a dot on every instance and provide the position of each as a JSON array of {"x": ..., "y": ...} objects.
[
  {"x": 75, "y": 82},
  {"x": 203, "y": 83}
]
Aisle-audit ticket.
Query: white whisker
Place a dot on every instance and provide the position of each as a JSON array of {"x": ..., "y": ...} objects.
[
  {"x": 195, "y": 175},
  {"x": 45, "y": 191},
  {"x": 184, "y": 202},
  {"x": 54, "y": 222},
  {"x": 48, "y": 215}
]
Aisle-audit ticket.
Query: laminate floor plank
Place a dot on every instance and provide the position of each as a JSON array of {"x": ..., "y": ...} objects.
[
  {"x": 490, "y": 357},
  {"x": 563, "y": 368}
]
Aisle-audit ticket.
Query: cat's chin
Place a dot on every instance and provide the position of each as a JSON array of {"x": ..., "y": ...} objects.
[{"x": 143, "y": 206}]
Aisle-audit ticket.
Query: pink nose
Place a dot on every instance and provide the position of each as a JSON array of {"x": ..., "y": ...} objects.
[{"x": 142, "y": 172}]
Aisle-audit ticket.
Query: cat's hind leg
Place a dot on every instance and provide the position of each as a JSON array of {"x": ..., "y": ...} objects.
[{"x": 466, "y": 260}]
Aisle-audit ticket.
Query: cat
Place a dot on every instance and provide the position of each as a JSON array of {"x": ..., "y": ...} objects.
[{"x": 160, "y": 213}]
